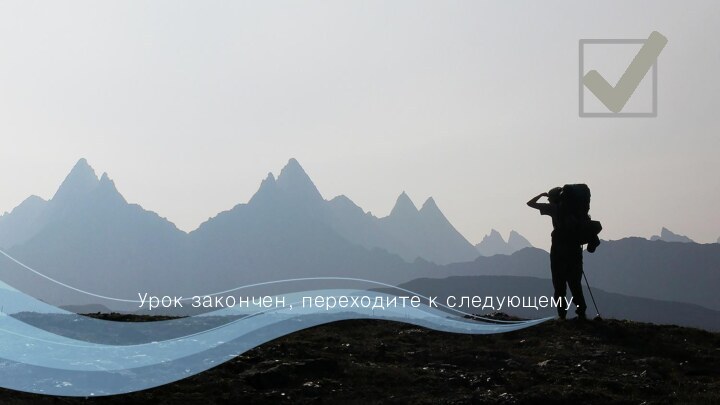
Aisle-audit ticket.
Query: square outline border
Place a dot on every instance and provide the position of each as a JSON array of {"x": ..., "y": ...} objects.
[{"x": 581, "y": 103}]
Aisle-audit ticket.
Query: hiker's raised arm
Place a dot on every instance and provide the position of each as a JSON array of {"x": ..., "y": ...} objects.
[{"x": 533, "y": 203}]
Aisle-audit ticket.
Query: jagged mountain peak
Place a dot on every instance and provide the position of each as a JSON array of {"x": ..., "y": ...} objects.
[
  {"x": 106, "y": 189},
  {"x": 425, "y": 233},
  {"x": 268, "y": 185},
  {"x": 493, "y": 243},
  {"x": 517, "y": 241},
  {"x": 431, "y": 212},
  {"x": 429, "y": 203},
  {"x": 292, "y": 171},
  {"x": 269, "y": 182},
  {"x": 295, "y": 180},
  {"x": 80, "y": 181},
  {"x": 493, "y": 236},
  {"x": 82, "y": 169},
  {"x": 667, "y": 235},
  {"x": 403, "y": 206},
  {"x": 82, "y": 185},
  {"x": 430, "y": 207},
  {"x": 267, "y": 189},
  {"x": 82, "y": 164}
]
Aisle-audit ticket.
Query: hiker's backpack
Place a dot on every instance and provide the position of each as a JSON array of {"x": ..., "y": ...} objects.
[
  {"x": 575, "y": 210},
  {"x": 575, "y": 199}
]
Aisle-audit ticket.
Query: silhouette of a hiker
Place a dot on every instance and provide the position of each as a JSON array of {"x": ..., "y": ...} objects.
[{"x": 566, "y": 255}]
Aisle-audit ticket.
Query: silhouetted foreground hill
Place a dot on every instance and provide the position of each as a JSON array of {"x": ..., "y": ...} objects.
[{"x": 609, "y": 362}]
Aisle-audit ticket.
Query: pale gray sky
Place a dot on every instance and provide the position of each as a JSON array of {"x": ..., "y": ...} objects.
[{"x": 188, "y": 105}]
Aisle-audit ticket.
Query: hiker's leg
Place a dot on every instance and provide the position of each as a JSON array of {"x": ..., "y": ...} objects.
[
  {"x": 558, "y": 280},
  {"x": 559, "y": 284},
  {"x": 575, "y": 282}
]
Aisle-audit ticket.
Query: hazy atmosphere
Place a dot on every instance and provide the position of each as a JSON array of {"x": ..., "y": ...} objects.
[{"x": 188, "y": 107}]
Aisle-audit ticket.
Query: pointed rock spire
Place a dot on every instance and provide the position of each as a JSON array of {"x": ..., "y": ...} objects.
[
  {"x": 80, "y": 181},
  {"x": 517, "y": 242},
  {"x": 403, "y": 206},
  {"x": 430, "y": 209},
  {"x": 492, "y": 244},
  {"x": 106, "y": 189},
  {"x": 494, "y": 234},
  {"x": 295, "y": 181},
  {"x": 670, "y": 236},
  {"x": 267, "y": 188}
]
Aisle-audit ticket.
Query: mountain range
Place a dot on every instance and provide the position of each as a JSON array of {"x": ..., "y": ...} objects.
[
  {"x": 408, "y": 232},
  {"x": 89, "y": 237},
  {"x": 87, "y": 234}
]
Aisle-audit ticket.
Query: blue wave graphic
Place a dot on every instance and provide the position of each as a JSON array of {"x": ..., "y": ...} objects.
[
  {"x": 47, "y": 350},
  {"x": 33, "y": 358}
]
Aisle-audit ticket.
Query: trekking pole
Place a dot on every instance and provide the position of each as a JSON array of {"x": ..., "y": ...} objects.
[{"x": 591, "y": 295}]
